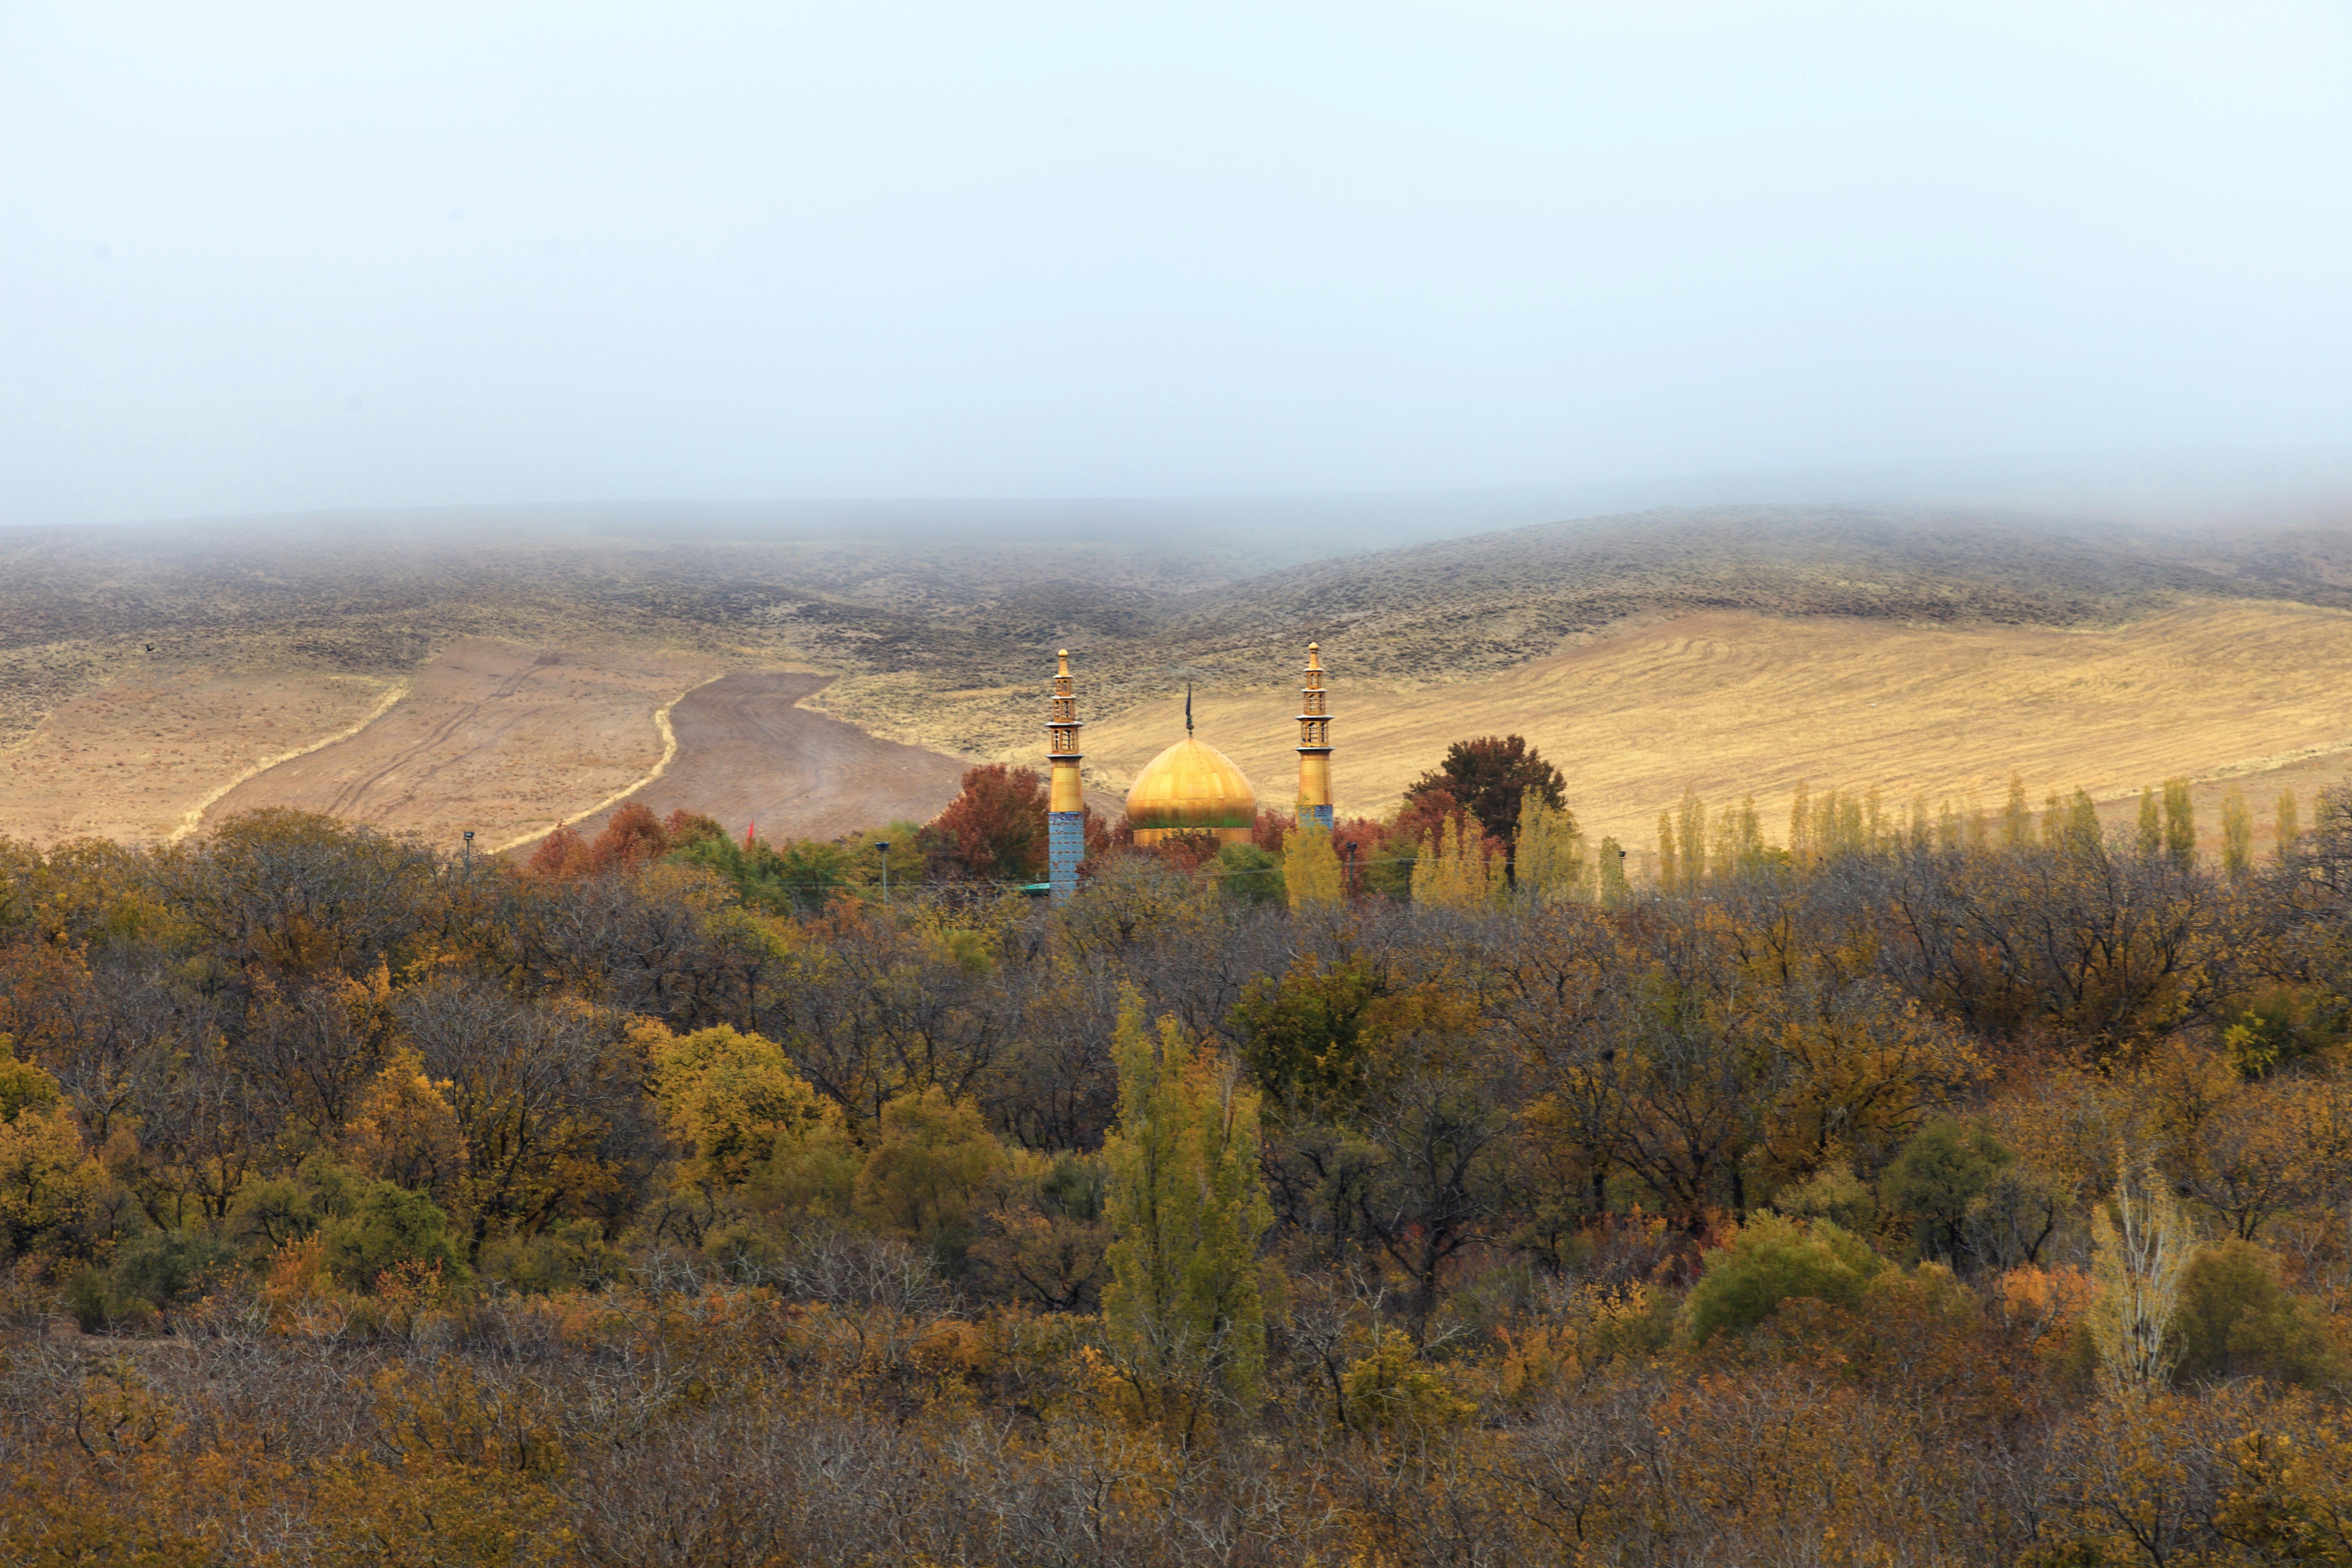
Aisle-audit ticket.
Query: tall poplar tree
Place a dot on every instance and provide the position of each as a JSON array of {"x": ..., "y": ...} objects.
[
  {"x": 1311, "y": 870},
  {"x": 1691, "y": 839},
  {"x": 1609, "y": 872},
  {"x": 2237, "y": 834},
  {"x": 2290, "y": 828},
  {"x": 2017, "y": 817},
  {"x": 2151, "y": 824},
  {"x": 1183, "y": 1318},
  {"x": 2180, "y": 824},
  {"x": 1549, "y": 853}
]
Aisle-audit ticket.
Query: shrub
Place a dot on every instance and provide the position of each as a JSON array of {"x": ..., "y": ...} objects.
[
  {"x": 2235, "y": 1319},
  {"x": 1938, "y": 1174},
  {"x": 926, "y": 1174},
  {"x": 569, "y": 1255},
  {"x": 1248, "y": 874},
  {"x": 163, "y": 1267},
  {"x": 1772, "y": 1259},
  {"x": 387, "y": 1227}
]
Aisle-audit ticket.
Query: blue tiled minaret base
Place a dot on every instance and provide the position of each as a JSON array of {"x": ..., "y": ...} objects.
[
  {"x": 1066, "y": 846},
  {"x": 1314, "y": 817}
]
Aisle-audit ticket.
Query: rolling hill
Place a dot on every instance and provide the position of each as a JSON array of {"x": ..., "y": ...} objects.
[{"x": 147, "y": 674}]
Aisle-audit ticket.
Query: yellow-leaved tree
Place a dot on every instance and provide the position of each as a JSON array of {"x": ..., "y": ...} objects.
[
  {"x": 736, "y": 1099},
  {"x": 47, "y": 1179},
  {"x": 1310, "y": 868},
  {"x": 1183, "y": 1316},
  {"x": 2137, "y": 1255},
  {"x": 2237, "y": 834},
  {"x": 1454, "y": 870},
  {"x": 404, "y": 1129},
  {"x": 1547, "y": 855}
]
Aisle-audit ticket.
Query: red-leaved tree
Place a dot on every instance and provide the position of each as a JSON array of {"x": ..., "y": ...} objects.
[{"x": 994, "y": 831}]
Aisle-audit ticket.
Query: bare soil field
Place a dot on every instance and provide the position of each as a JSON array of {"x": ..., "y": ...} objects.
[
  {"x": 749, "y": 753},
  {"x": 503, "y": 739},
  {"x": 139, "y": 759},
  {"x": 1736, "y": 703}
]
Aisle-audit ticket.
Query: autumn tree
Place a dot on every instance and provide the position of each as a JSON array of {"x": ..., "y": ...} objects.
[
  {"x": 1311, "y": 870},
  {"x": 1182, "y": 1313},
  {"x": 994, "y": 829},
  {"x": 1548, "y": 854},
  {"x": 1490, "y": 777},
  {"x": 1609, "y": 874},
  {"x": 2139, "y": 1252},
  {"x": 2180, "y": 824},
  {"x": 2237, "y": 834},
  {"x": 1455, "y": 868}
]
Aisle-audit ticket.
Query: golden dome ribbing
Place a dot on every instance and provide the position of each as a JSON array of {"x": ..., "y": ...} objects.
[{"x": 1190, "y": 787}]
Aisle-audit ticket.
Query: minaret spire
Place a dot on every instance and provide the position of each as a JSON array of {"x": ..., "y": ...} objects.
[
  {"x": 1065, "y": 803},
  {"x": 1314, "y": 746}
]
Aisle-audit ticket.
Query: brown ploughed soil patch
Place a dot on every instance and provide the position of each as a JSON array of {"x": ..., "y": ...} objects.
[
  {"x": 747, "y": 753},
  {"x": 137, "y": 760},
  {"x": 497, "y": 737},
  {"x": 1736, "y": 703}
]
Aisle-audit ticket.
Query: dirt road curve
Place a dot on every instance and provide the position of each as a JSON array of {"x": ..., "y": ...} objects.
[{"x": 746, "y": 753}]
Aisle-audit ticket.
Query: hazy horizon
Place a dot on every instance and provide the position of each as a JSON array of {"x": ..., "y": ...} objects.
[{"x": 1511, "y": 261}]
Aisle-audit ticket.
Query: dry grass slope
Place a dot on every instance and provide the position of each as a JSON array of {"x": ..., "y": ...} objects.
[{"x": 1734, "y": 702}]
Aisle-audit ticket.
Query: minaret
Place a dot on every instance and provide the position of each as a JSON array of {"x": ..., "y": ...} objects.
[
  {"x": 1065, "y": 805},
  {"x": 1314, "y": 746}
]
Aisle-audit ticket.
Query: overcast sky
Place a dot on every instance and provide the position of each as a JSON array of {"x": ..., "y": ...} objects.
[{"x": 269, "y": 257}]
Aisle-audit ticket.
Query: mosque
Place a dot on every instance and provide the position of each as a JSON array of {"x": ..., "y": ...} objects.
[{"x": 1191, "y": 788}]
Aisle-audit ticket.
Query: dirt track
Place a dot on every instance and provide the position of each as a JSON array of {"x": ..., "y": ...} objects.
[
  {"x": 748, "y": 753},
  {"x": 495, "y": 736}
]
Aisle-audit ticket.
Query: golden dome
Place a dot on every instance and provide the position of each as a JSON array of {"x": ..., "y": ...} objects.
[{"x": 1188, "y": 787}]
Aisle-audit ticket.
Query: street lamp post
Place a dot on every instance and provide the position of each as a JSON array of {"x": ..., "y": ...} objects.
[
  {"x": 469, "y": 849},
  {"x": 882, "y": 845}
]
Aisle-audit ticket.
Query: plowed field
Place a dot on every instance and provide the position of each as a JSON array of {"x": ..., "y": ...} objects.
[
  {"x": 499, "y": 738},
  {"x": 747, "y": 753},
  {"x": 139, "y": 759}
]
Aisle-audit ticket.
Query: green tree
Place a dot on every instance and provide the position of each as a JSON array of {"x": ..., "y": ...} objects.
[
  {"x": 1305, "y": 1035},
  {"x": 2151, "y": 824},
  {"x": 931, "y": 1162},
  {"x": 1609, "y": 874},
  {"x": 1772, "y": 1259},
  {"x": 2290, "y": 828},
  {"x": 1940, "y": 1171},
  {"x": 1246, "y": 873},
  {"x": 2237, "y": 834},
  {"x": 1184, "y": 1316},
  {"x": 385, "y": 1225},
  {"x": 2180, "y": 824},
  {"x": 2235, "y": 1319}
]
